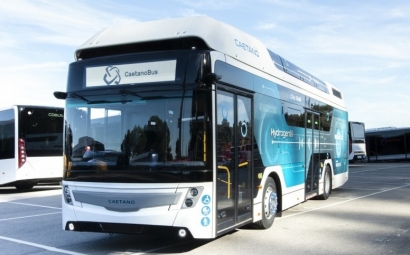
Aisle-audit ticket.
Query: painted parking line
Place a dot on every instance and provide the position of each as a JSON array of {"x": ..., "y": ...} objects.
[
  {"x": 43, "y": 206},
  {"x": 30, "y": 216},
  {"x": 45, "y": 247}
]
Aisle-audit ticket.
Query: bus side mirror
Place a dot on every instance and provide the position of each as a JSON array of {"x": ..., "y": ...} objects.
[{"x": 60, "y": 95}]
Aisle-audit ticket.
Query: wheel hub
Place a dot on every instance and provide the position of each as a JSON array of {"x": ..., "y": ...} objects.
[{"x": 271, "y": 203}]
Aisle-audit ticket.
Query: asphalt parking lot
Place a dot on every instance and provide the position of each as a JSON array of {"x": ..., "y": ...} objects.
[{"x": 370, "y": 214}]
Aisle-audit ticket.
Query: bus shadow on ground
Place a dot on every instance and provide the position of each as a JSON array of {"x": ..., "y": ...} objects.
[{"x": 136, "y": 244}]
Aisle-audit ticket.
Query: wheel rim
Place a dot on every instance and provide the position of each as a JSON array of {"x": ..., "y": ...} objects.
[{"x": 270, "y": 203}]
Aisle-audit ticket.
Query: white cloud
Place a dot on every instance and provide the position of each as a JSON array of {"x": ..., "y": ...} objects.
[
  {"x": 266, "y": 26},
  {"x": 210, "y": 4}
]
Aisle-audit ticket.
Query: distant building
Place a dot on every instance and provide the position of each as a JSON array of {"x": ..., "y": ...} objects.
[{"x": 388, "y": 143}]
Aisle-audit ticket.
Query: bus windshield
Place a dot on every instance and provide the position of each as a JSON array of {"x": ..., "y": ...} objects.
[
  {"x": 134, "y": 136},
  {"x": 357, "y": 131}
]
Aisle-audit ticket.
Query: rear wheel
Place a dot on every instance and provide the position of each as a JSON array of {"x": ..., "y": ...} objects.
[
  {"x": 327, "y": 184},
  {"x": 269, "y": 204}
]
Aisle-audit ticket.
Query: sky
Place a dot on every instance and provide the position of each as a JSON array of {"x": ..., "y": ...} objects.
[{"x": 361, "y": 47}]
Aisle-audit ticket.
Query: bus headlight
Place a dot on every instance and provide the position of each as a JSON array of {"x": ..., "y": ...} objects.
[
  {"x": 67, "y": 195},
  {"x": 192, "y": 197},
  {"x": 194, "y": 192},
  {"x": 189, "y": 202}
]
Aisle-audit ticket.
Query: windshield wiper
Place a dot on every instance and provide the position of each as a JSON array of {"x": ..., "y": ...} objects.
[
  {"x": 109, "y": 102},
  {"x": 79, "y": 97},
  {"x": 127, "y": 92},
  {"x": 98, "y": 101}
]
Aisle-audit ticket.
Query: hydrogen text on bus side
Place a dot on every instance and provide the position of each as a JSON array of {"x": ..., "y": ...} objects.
[{"x": 281, "y": 133}]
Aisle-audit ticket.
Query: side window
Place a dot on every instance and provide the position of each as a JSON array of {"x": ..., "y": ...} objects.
[
  {"x": 244, "y": 129},
  {"x": 326, "y": 112},
  {"x": 225, "y": 122},
  {"x": 294, "y": 115},
  {"x": 7, "y": 134},
  {"x": 325, "y": 121}
]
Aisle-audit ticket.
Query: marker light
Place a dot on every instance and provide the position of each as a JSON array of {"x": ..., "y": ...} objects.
[
  {"x": 71, "y": 226},
  {"x": 22, "y": 155},
  {"x": 66, "y": 190}
]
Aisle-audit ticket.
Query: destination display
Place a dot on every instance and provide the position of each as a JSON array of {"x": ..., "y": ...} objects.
[{"x": 113, "y": 75}]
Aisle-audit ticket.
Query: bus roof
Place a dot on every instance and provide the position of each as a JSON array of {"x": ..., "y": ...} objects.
[{"x": 217, "y": 35}]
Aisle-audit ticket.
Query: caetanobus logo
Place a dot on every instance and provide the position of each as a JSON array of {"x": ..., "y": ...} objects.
[{"x": 112, "y": 75}]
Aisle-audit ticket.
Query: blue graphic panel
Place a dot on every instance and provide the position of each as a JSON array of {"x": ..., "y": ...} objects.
[{"x": 285, "y": 145}]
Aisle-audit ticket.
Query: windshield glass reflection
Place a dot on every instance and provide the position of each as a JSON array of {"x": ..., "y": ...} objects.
[{"x": 131, "y": 133}]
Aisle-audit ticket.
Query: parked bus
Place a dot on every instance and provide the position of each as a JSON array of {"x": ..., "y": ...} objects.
[
  {"x": 357, "y": 143},
  {"x": 191, "y": 127},
  {"x": 388, "y": 144},
  {"x": 31, "y": 145}
]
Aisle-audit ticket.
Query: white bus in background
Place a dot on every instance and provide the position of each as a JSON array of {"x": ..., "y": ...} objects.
[
  {"x": 357, "y": 142},
  {"x": 190, "y": 126},
  {"x": 31, "y": 145}
]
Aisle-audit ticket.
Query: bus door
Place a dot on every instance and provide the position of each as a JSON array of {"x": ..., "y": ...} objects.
[
  {"x": 312, "y": 154},
  {"x": 234, "y": 164}
]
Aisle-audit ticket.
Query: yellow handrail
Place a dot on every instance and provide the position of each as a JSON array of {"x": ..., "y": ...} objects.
[
  {"x": 229, "y": 179},
  {"x": 204, "y": 143},
  {"x": 243, "y": 164},
  {"x": 229, "y": 176}
]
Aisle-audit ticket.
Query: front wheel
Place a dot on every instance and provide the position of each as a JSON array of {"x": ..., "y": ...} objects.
[{"x": 269, "y": 204}]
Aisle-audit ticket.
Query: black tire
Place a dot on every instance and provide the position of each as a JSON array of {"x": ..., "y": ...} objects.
[
  {"x": 269, "y": 205},
  {"x": 24, "y": 186},
  {"x": 327, "y": 184}
]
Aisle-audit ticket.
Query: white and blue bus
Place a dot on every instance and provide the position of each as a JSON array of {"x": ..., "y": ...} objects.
[
  {"x": 31, "y": 145},
  {"x": 357, "y": 142},
  {"x": 191, "y": 127}
]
